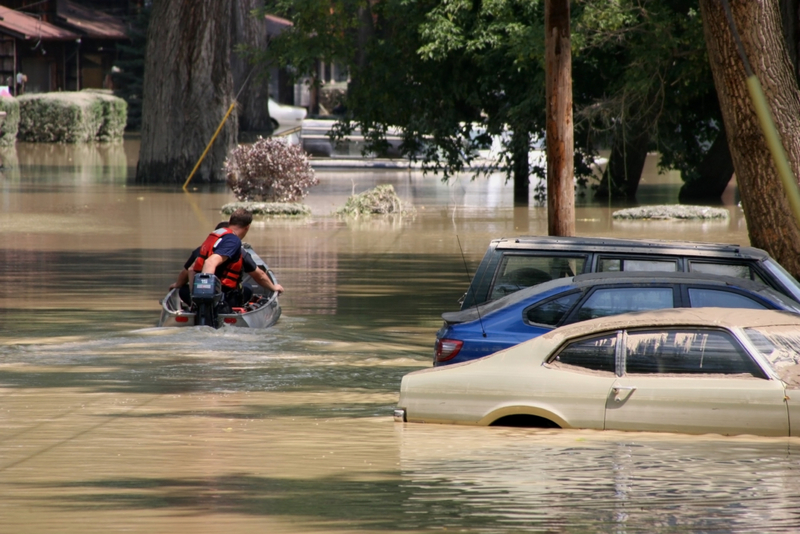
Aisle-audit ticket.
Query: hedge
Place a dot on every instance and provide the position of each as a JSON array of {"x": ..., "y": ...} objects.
[
  {"x": 8, "y": 130},
  {"x": 71, "y": 117}
]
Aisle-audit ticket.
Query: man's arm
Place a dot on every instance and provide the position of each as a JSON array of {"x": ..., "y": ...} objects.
[
  {"x": 262, "y": 279},
  {"x": 183, "y": 278},
  {"x": 212, "y": 262}
]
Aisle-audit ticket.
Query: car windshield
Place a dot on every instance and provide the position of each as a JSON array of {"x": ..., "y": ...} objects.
[
  {"x": 780, "y": 345},
  {"x": 788, "y": 281}
]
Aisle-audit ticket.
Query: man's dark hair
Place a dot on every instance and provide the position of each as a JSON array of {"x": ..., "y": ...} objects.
[
  {"x": 241, "y": 218},
  {"x": 223, "y": 224}
]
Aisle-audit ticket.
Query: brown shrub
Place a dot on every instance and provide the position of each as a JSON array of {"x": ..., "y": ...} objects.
[{"x": 269, "y": 170}]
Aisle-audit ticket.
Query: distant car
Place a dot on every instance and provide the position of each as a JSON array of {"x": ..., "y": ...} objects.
[
  {"x": 531, "y": 312},
  {"x": 702, "y": 370},
  {"x": 515, "y": 263},
  {"x": 285, "y": 116}
]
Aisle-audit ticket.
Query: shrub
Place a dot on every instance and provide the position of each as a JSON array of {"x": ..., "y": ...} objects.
[
  {"x": 269, "y": 170},
  {"x": 8, "y": 130},
  {"x": 270, "y": 209},
  {"x": 71, "y": 117},
  {"x": 382, "y": 200}
]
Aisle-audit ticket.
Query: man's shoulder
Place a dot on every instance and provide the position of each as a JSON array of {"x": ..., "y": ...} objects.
[{"x": 228, "y": 245}]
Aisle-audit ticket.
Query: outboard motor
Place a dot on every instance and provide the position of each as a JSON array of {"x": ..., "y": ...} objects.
[{"x": 206, "y": 295}]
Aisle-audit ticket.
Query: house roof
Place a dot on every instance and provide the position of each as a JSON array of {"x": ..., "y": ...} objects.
[
  {"x": 23, "y": 26},
  {"x": 90, "y": 22}
]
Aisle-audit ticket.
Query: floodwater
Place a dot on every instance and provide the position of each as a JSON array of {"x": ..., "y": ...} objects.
[{"x": 110, "y": 425}]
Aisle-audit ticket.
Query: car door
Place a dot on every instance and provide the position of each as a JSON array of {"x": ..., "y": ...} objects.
[
  {"x": 693, "y": 380},
  {"x": 579, "y": 378}
]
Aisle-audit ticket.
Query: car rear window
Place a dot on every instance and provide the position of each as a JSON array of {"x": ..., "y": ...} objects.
[
  {"x": 615, "y": 265},
  {"x": 722, "y": 269},
  {"x": 552, "y": 311},
  {"x": 517, "y": 272}
]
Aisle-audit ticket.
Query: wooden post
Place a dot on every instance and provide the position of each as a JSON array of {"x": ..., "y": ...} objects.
[{"x": 560, "y": 149}]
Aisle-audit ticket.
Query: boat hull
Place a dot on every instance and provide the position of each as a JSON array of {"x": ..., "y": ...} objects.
[
  {"x": 262, "y": 311},
  {"x": 264, "y": 316}
]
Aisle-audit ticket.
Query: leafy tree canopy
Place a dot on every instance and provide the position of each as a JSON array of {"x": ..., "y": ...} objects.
[{"x": 450, "y": 74}]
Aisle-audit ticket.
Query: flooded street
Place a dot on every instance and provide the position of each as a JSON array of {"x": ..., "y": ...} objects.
[{"x": 108, "y": 424}]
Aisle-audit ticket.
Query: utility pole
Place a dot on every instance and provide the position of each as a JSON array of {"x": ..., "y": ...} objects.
[{"x": 560, "y": 137}]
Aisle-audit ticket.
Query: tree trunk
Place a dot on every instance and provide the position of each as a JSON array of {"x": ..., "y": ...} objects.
[
  {"x": 770, "y": 222},
  {"x": 716, "y": 171},
  {"x": 187, "y": 91},
  {"x": 521, "y": 153},
  {"x": 252, "y": 104},
  {"x": 560, "y": 142},
  {"x": 789, "y": 18},
  {"x": 625, "y": 164}
]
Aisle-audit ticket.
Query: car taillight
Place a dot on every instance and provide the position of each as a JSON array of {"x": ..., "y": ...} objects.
[{"x": 446, "y": 349}]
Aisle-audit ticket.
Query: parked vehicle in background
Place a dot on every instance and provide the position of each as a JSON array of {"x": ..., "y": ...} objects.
[
  {"x": 533, "y": 311},
  {"x": 284, "y": 116},
  {"x": 702, "y": 370},
  {"x": 515, "y": 263}
]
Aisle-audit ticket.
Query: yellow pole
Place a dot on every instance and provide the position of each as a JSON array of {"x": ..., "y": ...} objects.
[
  {"x": 203, "y": 155},
  {"x": 775, "y": 146}
]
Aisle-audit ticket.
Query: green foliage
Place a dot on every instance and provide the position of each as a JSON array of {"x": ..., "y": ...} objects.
[
  {"x": 322, "y": 30},
  {"x": 451, "y": 74},
  {"x": 381, "y": 200},
  {"x": 71, "y": 117},
  {"x": 128, "y": 73},
  {"x": 10, "y": 124},
  {"x": 641, "y": 65}
]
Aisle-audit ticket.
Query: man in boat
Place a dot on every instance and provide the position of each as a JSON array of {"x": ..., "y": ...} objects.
[{"x": 230, "y": 262}]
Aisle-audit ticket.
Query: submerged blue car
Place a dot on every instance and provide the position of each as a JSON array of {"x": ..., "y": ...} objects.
[{"x": 531, "y": 312}]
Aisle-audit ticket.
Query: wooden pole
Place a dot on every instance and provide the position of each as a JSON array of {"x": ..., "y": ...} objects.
[{"x": 560, "y": 149}]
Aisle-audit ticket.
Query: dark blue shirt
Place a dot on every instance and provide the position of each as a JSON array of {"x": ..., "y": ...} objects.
[
  {"x": 229, "y": 245},
  {"x": 248, "y": 264}
]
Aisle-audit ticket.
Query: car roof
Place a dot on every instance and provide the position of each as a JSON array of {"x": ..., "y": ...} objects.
[
  {"x": 599, "y": 279},
  {"x": 638, "y": 277},
  {"x": 633, "y": 246},
  {"x": 721, "y": 317}
]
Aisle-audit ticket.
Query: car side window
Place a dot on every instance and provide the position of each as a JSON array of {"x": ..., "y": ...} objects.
[
  {"x": 617, "y": 300},
  {"x": 614, "y": 265},
  {"x": 518, "y": 271},
  {"x": 552, "y": 311},
  {"x": 721, "y": 269},
  {"x": 705, "y": 298},
  {"x": 687, "y": 351},
  {"x": 596, "y": 353}
]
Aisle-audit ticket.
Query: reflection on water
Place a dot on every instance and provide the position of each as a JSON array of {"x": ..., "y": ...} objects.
[{"x": 108, "y": 424}]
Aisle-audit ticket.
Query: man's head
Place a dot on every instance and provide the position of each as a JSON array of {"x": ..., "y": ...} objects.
[
  {"x": 223, "y": 224},
  {"x": 240, "y": 222}
]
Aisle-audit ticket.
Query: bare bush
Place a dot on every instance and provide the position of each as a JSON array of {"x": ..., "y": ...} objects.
[{"x": 269, "y": 170}]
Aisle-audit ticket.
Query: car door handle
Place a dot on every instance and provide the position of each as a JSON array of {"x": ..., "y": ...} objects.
[{"x": 618, "y": 389}]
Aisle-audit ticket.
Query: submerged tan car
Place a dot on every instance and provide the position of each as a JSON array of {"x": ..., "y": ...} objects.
[{"x": 697, "y": 371}]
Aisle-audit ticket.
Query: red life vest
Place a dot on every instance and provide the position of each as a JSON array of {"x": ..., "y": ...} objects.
[{"x": 229, "y": 272}]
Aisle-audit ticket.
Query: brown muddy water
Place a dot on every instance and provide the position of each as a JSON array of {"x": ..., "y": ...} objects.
[{"x": 110, "y": 425}]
